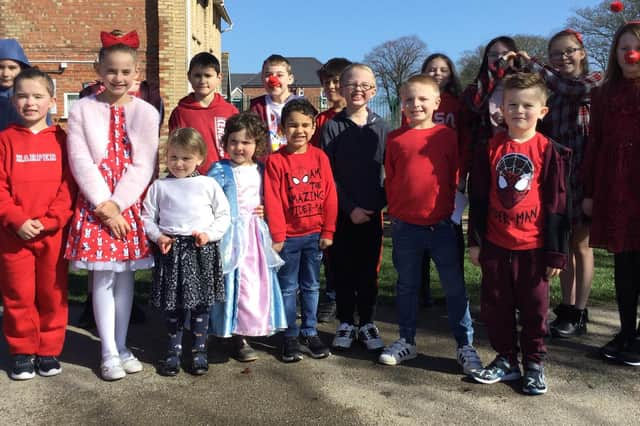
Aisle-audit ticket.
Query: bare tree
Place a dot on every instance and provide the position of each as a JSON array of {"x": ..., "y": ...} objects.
[
  {"x": 393, "y": 62},
  {"x": 470, "y": 61},
  {"x": 598, "y": 25}
]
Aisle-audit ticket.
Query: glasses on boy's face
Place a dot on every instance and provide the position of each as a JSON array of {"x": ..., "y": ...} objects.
[
  {"x": 569, "y": 52},
  {"x": 365, "y": 87}
]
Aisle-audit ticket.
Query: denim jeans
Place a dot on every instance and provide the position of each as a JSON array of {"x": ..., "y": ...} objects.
[
  {"x": 301, "y": 271},
  {"x": 410, "y": 242}
]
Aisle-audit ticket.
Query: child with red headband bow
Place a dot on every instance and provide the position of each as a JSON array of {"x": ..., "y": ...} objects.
[
  {"x": 570, "y": 82},
  {"x": 112, "y": 145},
  {"x": 611, "y": 183}
]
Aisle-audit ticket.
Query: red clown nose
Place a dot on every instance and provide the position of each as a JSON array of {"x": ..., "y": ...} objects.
[
  {"x": 273, "y": 81},
  {"x": 616, "y": 6},
  {"x": 632, "y": 57}
]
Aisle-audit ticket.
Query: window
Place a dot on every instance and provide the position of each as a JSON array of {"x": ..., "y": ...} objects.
[
  {"x": 69, "y": 100},
  {"x": 300, "y": 91}
]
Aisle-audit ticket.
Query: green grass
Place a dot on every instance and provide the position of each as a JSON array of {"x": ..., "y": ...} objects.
[{"x": 602, "y": 291}]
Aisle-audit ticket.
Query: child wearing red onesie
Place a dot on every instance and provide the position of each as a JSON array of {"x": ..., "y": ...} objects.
[{"x": 36, "y": 195}]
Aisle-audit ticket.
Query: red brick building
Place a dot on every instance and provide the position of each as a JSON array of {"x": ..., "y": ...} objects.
[{"x": 62, "y": 37}]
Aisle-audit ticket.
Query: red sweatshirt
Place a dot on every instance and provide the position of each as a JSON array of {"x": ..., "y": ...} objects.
[
  {"x": 35, "y": 181},
  {"x": 209, "y": 121},
  {"x": 421, "y": 168},
  {"x": 300, "y": 194},
  {"x": 321, "y": 119}
]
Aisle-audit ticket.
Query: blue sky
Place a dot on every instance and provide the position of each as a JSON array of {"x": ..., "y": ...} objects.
[{"x": 328, "y": 28}]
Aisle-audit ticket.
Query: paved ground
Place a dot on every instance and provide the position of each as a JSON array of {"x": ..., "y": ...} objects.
[{"x": 345, "y": 389}]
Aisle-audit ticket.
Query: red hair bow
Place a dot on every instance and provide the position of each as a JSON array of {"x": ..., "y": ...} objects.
[
  {"x": 576, "y": 34},
  {"x": 129, "y": 39}
]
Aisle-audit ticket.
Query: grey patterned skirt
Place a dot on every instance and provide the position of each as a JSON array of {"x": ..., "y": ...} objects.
[{"x": 187, "y": 276}]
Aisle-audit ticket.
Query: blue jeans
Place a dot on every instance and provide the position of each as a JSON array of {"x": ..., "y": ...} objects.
[
  {"x": 410, "y": 242},
  {"x": 301, "y": 270}
]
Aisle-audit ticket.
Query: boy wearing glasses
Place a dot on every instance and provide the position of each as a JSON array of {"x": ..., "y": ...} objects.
[
  {"x": 422, "y": 166},
  {"x": 355, "y": 140}
]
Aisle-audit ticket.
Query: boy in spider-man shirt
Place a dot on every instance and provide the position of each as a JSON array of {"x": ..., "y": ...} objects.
[
  {"x": 301, "y": 208},
  {"x": 518, "y": 232}
]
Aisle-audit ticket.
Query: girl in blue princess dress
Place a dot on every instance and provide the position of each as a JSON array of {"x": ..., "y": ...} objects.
[{"x": 253, "y": 305}]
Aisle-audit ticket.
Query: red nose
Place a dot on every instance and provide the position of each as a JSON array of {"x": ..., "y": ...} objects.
[
  {"x": 273, "y": 81},
  {"x": 632, "y": 57},
  {"x": 616, "y": 6}
]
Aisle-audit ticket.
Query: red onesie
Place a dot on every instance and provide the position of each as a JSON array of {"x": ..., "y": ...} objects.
[{"x": 35, "y": 183}]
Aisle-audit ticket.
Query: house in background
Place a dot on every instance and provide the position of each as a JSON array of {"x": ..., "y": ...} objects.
[
  {"x": 243, "y": 87},
  {"x": 63, "y": 39}
]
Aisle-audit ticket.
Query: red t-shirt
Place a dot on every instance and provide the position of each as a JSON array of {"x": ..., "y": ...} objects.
[
  {"x": 321, "y": 119},
  {"x": 300, "y": 194},
  {"x": 515, "y": 220},
  {"x": 421, "y": 169}
]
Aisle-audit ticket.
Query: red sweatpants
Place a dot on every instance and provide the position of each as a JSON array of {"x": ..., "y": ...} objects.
[
  {"x": 515, "y": 279},
  {"x": 34, "y": 294}
]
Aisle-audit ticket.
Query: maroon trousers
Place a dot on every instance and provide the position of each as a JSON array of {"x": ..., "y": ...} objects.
[
  {"x": 515, "y": 279},
  {"x": 34, "y": 295}
]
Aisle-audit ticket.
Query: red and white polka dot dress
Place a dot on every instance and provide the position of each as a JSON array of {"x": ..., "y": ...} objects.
[{"x": 91, "y": 245}]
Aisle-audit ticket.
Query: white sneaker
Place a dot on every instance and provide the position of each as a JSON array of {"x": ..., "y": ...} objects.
[
  {"x": 345, "y": 335},
  {"x": 369, "y": 336},
  {"x": 111, "y": 369},
  {"x": 130, "y": 363},
  {"x": 468, "y": 359},
  {"x": 398, "y": 352}
]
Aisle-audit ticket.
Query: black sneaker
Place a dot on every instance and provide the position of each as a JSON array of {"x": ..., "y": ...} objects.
[
  {"x": 243, "y": 351},
  {"x": 291, "y": 350},
  {"x": 23, "y": 367},
  {"x": 327, "y": 311},
  {"x": 199, "y": 363},
  {"x": 171, "y": 365},
  {"x": 613, "y": 348},
  {"x": 630, "y": 355},
  {"x": 48, "y": 366},
  {"x": 313, "y": 346},
  {"x": 534, "y": 382}
]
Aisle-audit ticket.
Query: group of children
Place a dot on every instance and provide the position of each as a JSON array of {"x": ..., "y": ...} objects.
[{"x": 253, "y": 201}]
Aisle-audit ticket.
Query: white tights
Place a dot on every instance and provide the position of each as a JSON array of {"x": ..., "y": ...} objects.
[{"x": 112, "y": 300}]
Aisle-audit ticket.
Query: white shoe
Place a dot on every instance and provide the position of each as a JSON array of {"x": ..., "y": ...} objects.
[
  {"x": 369, "y": 336},
  {"x": 130, "y": 363},
  {"x": 468, "y": 359},
  {"x": 111, "y": 369},
  {"x": 398, "y": 352},
  {"x": 345, "y": 335}
]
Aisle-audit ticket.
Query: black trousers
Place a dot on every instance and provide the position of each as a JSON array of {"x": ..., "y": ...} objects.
[
  {"x": 355, "y": 257},
  {"x": 627, "y": 281}
]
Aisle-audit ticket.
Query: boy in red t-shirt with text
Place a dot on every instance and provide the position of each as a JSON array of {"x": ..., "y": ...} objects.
[
  {"x": 301, "y": 207},
  {"x": 518, "y": 232}
]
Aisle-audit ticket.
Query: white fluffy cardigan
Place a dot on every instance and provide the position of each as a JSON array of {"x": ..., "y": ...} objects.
[{"x": 87, "y": 140}]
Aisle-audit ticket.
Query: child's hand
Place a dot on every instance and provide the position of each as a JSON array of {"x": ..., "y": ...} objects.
[
  {"x": 360, "y": 215},
  {"x": 164, "y": 243},
  {"x": 201, "y": 238},
  {"x": 474, "y": 255},
  {"x": 325, "y": 243},
  {"x": 107, "y": 210},
  {"x": 119, "y": 226},
  {"x": 552, "y": 272},
  {"x": 277, "y": 246},
  {"x": 259, "y": 211},
  {"x": 30, "y": 229},
  {"x": 524, "y": 56},
  {"x": 587, "y": 206}
]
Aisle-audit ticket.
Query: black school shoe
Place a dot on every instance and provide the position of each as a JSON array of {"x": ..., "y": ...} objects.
[
  {"x": 534, "y": 382},
  {"x": 171, "y": 365},
  {"x": 23, "y": 367},
  {"x": 614, "y": 347},
  {"x": 630, "y": 354},
  {"x": 242, "y": 350},
  {"x": 48, "y": 366},
  {"x": 291, "y": 350},
  {"x": 569, "y": 321},
  {"x": 313, "y": 346}
]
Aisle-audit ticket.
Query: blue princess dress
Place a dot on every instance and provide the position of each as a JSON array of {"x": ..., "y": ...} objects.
[{"x": 253, "y": 304}]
